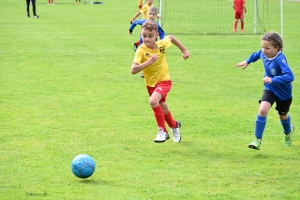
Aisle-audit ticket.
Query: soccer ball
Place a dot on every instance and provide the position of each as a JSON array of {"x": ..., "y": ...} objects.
[{"x": 83, "y": 166}]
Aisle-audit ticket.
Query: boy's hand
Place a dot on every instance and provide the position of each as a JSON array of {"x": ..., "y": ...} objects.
[
  {"x": 131, "y": 21},
  {"x": 130, "y": 32},
  {"x": 243, "y": 64},
  {"x": 185, "y": 54},
  {"x": 152, "y": 59},
  {"x": 267, "y": 80}
]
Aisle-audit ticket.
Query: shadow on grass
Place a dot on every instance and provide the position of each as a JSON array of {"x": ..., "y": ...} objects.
[
  {"x": 41, "y": 194},
  {"x": 92, "y": 182}
]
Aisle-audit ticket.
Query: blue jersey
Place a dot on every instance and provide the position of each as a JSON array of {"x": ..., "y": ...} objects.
[
  {"x": 278, "y": 69},
  {"x": 140, "y": 22}
]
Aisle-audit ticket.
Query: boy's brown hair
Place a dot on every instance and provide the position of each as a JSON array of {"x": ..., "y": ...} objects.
[{"x": 150, "y": 26}]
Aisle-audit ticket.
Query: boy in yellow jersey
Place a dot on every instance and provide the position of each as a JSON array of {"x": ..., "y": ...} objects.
[
  {"x": 151, "y": 60},
  {"x": 140, "y": 4},
  {"x": 143, "y": 11}
]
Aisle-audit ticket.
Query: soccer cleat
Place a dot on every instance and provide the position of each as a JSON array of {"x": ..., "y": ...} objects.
[
  {"x": 161, "y": 136},
  {"x": 36, "y": 16},
  {"x": 234, "y": 30},
  {"x": 288, "y": 138},
  {"x": 135, "y": 46},
  {"x": 255, "y": 144},
  {"x": 167, "y": 136},
  {"x": 242, "y": 30},
  {"x": 28, "y": 16},
  {"x": 176, "y": 132},
  {"x": 141, "y": 75}
]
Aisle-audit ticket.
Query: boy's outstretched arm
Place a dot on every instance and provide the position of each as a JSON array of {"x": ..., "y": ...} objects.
[
  {"x": 243, "y": 64},
  {"x": 185, "y": 52},
  {"x": 136, "y": 22},
  {"x": 135, "y": 16}
]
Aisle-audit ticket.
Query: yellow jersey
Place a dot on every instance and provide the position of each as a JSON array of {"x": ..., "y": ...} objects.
[
  {"x": 144, "y": 11},
  {"x": 140, "y": 2},
  {"x": 157, "y": 71}
]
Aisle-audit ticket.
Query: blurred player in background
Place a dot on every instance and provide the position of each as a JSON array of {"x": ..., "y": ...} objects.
[
  {"x": 50, "y": 2},
  {"x": 239, "y": 7},
  {"x": 144, "y": 11},
  {"x": 152, "y": 14},
  {"x": 33, "y": 8},
  {"x": 140, "y": 4}
]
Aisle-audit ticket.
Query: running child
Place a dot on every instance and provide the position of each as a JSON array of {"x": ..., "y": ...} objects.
[
  {"x": 150, "y": 58},
  {"x": 277, "y": 82}
]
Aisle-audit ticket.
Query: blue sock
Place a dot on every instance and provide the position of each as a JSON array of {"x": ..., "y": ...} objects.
[
  {"x": 260, "y": 124},
  {"x": 286, "y": 125}
]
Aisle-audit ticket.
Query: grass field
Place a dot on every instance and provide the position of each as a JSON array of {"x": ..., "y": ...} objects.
[{"x": 66, "y": 89}]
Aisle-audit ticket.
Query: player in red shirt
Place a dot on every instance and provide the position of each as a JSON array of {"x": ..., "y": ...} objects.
[{"x": 239, "y": 7}]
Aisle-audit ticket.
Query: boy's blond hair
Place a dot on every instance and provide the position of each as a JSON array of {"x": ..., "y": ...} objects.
[{"x": 153, "y": 9}]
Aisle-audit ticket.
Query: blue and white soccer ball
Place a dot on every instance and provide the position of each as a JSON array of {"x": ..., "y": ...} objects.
[{"x": 83, "y": 166}]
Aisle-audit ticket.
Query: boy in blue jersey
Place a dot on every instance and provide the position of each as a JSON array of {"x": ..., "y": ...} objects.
[{"x": 277, "y": 82}]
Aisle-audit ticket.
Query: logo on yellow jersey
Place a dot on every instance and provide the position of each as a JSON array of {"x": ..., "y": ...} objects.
[{"x": 162, "y": 49}]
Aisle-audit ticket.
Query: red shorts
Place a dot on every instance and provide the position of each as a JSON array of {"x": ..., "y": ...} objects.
[
  {"x": 162, "y": 88},
  {"x": 239, "y": 15}
]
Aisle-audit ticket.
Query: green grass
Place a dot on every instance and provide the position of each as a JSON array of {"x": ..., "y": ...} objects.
[{"x": 66, "y": 89}]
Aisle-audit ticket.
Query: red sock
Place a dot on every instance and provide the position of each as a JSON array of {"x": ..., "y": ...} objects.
[
  {"x": 160, "y": 117},
  {"x": 242, "y": 24},
  {"x": 170, "y": 120},
  {"x": 235, "y": 24},
  {"x": 138, "y": 42}
]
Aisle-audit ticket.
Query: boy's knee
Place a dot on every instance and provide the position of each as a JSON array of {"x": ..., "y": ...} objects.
[{"x": 153, "y": 103}]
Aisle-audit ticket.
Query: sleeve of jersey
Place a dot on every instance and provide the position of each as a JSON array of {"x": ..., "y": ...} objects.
[
  {"x": 166, "y": 42},
  {"x": 136, "y": 22},
  {"x": 144, "y": 9},
  {"x": 287, "y": 74},
  {"x": 254, "y": 57},
  {"x": 138, "y": 57}
]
